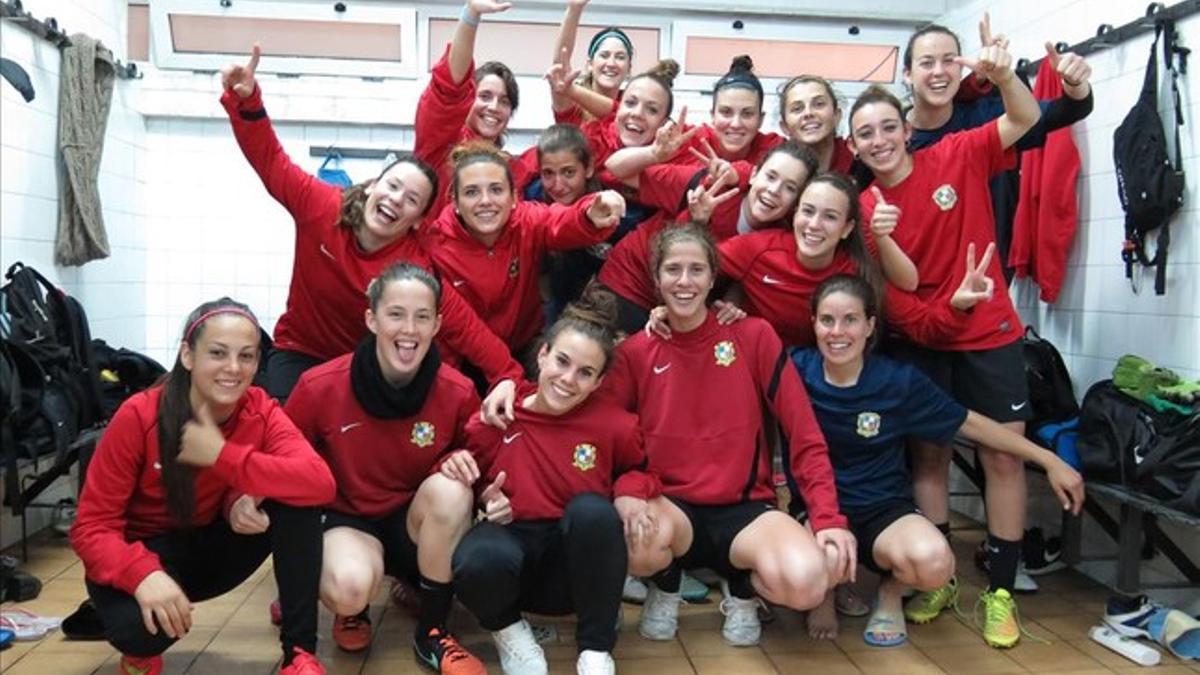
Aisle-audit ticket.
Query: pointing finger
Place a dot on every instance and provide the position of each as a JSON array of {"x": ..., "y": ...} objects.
[{"x": 255, "y": 55}]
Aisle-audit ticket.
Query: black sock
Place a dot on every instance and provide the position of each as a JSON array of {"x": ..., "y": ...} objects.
[
  {"x": 1003, "y": 558},
  {"x": 668, "y": 580},
  {"x": 740, "y": 586},
  {"x": 435, "y": 605}
]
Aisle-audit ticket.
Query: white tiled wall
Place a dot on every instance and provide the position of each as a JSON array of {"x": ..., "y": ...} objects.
[{"x": 112, "y": 290}]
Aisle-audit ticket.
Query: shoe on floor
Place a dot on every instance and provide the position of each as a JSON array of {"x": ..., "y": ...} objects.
[
  {"x": 1041, "y": 555},
  {"x": 592, "y": 662},
  {"x": 660, "y": 614},
  {"x": 520, "y": 654},
  {"x": 303, "y": 663},
  {"x": 1130, "y": 616},
  {"x": 742, "y": 627},
  {"x": 1001, "y": 627},
  {"x": 140, "y": 665},
  {"x": 927, "y": 605},
  {"x": 634, "y": 591},
  {"x": 352, "y": 633},
  {"x": 442, "y": 652}
]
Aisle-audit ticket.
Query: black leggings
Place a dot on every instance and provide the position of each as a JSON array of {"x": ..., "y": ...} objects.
[
  {"x": 212, "y": 560},
  {"x": 284, "y": 369},
  {"x": 549, "y": 567}
]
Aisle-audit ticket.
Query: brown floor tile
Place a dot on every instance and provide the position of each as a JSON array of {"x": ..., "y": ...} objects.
[
  {"x": 38, "y": 663},
  {"x": 1070, "y": 627},
  {"x": 655, "y": 666},
  {"x": 630, "y": 645},
  {"x": 946, "y": 630},
  {"x": 1156, "y": 670},
  {"x": 709, "y": 643},
  {"x": 891, "y": 660},
  {"x": 971, "y": 659},
  {"x": 1058, "y": 655},
  {"x": 747, "y": 662},
  {"x": 825, "y": 663}
]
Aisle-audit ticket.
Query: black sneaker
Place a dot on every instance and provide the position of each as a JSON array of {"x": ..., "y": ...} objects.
[{"x": 1041, "y": 556}]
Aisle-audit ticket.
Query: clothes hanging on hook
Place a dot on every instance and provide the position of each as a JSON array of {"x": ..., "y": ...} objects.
[
  {"x": 85, "y": 96},
  {"x": 17, "y": 77}
]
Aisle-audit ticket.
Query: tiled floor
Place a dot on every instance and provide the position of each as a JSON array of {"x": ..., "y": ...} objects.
[{"x": 232, "y": 635}]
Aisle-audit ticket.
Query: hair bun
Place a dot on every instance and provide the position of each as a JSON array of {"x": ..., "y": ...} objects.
[
  {"x": 742, "y": 64},
  {"x": 666, "y": 70},
  {"x": 595, "y": 305},
  {"x": 476, "y": 146}
]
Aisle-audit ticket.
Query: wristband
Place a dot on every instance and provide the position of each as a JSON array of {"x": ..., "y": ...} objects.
[{"x": 466, "y": 17}]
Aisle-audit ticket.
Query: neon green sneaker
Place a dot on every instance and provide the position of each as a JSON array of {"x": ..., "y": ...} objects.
[
  {"x": 927, "y": 605},
  {"x": 1001, "y": 627}
]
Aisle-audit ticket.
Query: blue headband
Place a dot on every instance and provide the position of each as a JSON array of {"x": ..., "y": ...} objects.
[{"x": 605, "y": 34}]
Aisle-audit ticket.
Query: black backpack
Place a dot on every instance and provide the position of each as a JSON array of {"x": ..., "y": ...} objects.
[
  {"x": 1051, "y": 394},
  {"x": 123, "y": 373},
  {"x": 1125, "y": 441},
  {"x": 49, "y": 384},
  {"x": 1150, "y": 187}
]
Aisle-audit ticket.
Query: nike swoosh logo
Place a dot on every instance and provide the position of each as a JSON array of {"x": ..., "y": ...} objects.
[
  {"x": 509, "y": 439},
  {"x": 659, "y": 370},
  {"x": 1015, "y": 408},
  {"x": 327, "y": 253},
  {"x": 348, "y": 427},
  {"x": 768, "y": 279},
  {"x": 458, "y": 282}
]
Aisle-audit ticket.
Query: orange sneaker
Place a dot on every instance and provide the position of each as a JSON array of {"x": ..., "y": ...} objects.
[
  {"x": 352, "y": 633},
  {"x": 140, "y": 665},
  {"x": 302, "y": 663},
  {"x": 441, "y": 652}
]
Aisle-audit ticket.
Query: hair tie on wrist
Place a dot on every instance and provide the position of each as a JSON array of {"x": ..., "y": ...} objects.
[{"x": 466, "y": 17}]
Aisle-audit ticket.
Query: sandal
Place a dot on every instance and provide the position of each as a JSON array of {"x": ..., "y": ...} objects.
[
  {"x": 847, "y": 602},
  {"x": 26, "y": 625},
  {"x": 881, "y": 624}
]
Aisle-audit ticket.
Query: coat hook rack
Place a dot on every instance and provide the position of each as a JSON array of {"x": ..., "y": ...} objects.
[
  {"x": 1107, "y": 36},
  {"x": 49, "y": 30},
  {"x": 352, "y": 153}
]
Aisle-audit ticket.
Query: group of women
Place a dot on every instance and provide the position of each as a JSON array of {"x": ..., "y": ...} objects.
[{"x": 627, "y": 451}]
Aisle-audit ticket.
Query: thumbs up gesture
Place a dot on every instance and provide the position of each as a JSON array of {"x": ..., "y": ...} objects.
[
  {"x": 496, "y": 506},
  {"x": 202, "y": 440},
  {"x": 239, "y": 78},
  {"x": 886, "y": 216},
  {"x": 1073, "y": 69}
]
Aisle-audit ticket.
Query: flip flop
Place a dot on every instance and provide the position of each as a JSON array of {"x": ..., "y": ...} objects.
[
  {"x": 26, "y": 625},
  {"x": 847, "y": 602},
  {"x": 881, "y": 623}
]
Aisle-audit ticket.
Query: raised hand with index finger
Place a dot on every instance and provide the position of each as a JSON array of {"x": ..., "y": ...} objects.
[{"x": 240, "y": 79}]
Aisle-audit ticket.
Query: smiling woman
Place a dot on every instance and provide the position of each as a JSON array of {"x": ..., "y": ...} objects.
[{"x": 194, "y": 483}]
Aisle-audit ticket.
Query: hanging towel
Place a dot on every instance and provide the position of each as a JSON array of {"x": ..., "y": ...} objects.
[
  {"x": 84, "y": 98},
  {"x": 1047, "y": 212}
]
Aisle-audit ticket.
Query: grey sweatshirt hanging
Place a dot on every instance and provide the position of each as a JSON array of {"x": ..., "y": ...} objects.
[{"x": 85, "y": 97}]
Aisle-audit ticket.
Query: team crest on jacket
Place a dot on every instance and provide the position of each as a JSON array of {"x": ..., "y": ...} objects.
[
  {"x": 724, "y": 353},
  {"x": 868, "y": 424},
  {"x": 945, "y": 197},
  {"x": 422, "y": 434},
  {"x": 584, "y": 457},
  {"x": 514, "y": 268}
]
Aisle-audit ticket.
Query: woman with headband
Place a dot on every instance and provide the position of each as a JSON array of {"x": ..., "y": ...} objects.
[
  {"x": 195, "y": 482},
  {"x": 610, "y": 57}
]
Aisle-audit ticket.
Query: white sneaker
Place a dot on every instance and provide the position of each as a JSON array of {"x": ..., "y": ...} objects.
[
  {"x": 592, "y": 662},
  {"x": 1023, "y": 583},
  {"x": 520, "y": 654},
  {"x": 634, "y": 591},
  {"x": 660, "y": 614},
  {"x": 742, "y": 627}
]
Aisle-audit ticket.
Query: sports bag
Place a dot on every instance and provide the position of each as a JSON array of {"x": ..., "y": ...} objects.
[
  {"x": 1125, "y": 441},
  {"x": 1050, "y": 391},
  {"x": 1149, "y": 185}
]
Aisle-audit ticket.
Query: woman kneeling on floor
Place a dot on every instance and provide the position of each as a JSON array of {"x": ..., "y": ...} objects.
[
  {"x": 553, "y": 540},
  {"x": 194, "y": 483},
  {"x": 384, "y": 416},
  {"x": 867, "y": 407}
]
